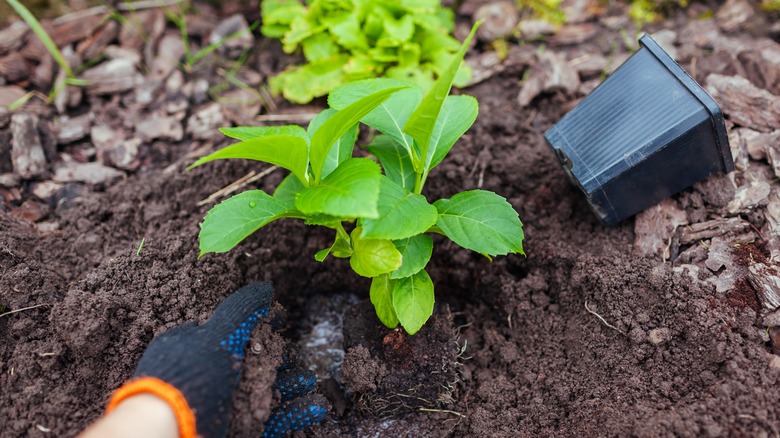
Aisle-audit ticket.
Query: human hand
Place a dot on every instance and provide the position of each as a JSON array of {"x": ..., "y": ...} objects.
[{"x": 196, "y": 370}]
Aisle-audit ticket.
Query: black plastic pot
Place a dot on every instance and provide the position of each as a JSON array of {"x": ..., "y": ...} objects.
[{"x": 644, "y": 134}]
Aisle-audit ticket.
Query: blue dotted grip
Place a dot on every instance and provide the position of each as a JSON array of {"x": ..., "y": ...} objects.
[
  {"x": 235, "y": 342},
  {"x": 296, "y": 415},
  {"x": 294, "y": 383}
]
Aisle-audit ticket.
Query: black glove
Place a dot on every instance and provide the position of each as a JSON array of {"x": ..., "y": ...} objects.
[
  {"x": 300, "y": 408},
  {"x": 204, "y": 362}
]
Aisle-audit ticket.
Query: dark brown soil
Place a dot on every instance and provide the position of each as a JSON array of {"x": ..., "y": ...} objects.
[{"x": 584, "y": 337}]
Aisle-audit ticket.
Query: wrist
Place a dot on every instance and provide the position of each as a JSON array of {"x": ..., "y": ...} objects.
[
  {"x": 152, "y": 388},
  {"x": 143, "y": 415}
]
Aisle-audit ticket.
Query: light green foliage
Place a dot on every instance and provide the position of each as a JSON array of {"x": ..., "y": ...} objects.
[
  {"x": 389, "y": 216},
  {"x": 349, "y": 40},
  {"x": 770, "y": 5},
  {"x": 413, "y": 300},
  {"x": 548, "y": 10},
  {"x": 649, "y": 11},
  {"x": 381, "y": 294},
  {"x": 373, "y": 257}
]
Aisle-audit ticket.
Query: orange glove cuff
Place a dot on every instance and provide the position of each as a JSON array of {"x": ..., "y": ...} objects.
[{"x": 151, "y": 385}]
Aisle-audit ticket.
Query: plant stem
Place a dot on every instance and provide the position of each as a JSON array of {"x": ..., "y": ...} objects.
[
  {"x": 418, "y": 182},
  {"x": 342, "y": 232}
]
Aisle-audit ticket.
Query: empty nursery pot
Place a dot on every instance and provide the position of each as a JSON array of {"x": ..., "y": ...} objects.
[{"x": 644, "y": 134}]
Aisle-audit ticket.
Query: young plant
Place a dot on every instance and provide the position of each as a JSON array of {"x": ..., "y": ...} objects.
[
  {"x": 350, "y": 40},
  {"x": 389, "y": 219}
]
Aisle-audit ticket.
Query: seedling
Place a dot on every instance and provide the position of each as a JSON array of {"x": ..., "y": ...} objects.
[
  {"x": 140, "y": 247},
  {"x": 388, "y": 218},
  {"x": 179, "y": 18},
  {"x": 351, "y": 40}
]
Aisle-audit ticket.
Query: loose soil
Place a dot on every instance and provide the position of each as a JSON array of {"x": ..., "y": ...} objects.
[{"x": 585, "y": 336}]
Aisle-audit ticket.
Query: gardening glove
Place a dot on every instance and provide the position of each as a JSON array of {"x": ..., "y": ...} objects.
[
  {"x": 299, "y": 408},
  {"x": 196, "y": 369}
]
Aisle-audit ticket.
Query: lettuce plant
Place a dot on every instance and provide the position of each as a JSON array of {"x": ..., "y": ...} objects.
[
  {"x": 349, "y": 40},
  {"x": 388, "y": 219}
]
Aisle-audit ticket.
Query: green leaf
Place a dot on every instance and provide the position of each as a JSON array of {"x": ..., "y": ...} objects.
[
  {"x": 341, "y": 248},
  {"x": 401, "y": 29},
  {"x": 324, "y": 220},
  {"x": 352, "y": 190},
  {"x": 301, "y": 84},
  {"x": 419, "y": 75},
  {"x": 244, "y": 133},
  {"x": 345, "y": 28},
  {"x": 381, "y": 294},
  {"x": 391, "y": 115},
  {"x": 373, "y": 257},
  {"x": 284, "y": 150},
  {"x": 301, "y": 28},
  {"x": 481, "y": 221},
  {"x": 321, "y": 254},
  {"x": 395, "y": 160},
  {"x": 413, "y": 300},
  {"x": 287, "y": 189},
  {"x": 402, "y": 214},
  {"x": 277, "y": 16},
  {"x": 232, "y": 220},
  {"x": 343, "y": 145},
  {"x": 319, "y": 47},
  {"x": 422, "y": 121},
  {"x": 361, "y": 66},
  {"x": 416, "y": 252},
  {"x": 456, "y": 117},
  {"x": 338, "y": 125},
  {"x": 409, "y": 56}
]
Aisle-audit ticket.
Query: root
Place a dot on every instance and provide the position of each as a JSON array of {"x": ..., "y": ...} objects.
[
  {"x": 601, "y": 318},
  {"x": 23, "y": 309},
  {"x": 444, "y": 411}
]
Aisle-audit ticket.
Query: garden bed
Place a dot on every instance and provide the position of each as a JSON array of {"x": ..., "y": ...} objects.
[{"x": 641, "y": 329}]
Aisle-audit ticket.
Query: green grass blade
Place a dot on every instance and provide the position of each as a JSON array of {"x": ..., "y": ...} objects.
[
  {"x": 36, "y": 27},
  {"x": 215, "y": 45}
]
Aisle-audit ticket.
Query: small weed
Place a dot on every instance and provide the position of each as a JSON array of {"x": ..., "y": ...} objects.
[
  {"x": 140, "y": 246},
  {"x": 179, "y": 18}
]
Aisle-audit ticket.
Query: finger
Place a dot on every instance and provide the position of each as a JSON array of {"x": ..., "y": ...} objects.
[
  {"x": 290, "y": 357},
  {"x": 246, "y": 305},
  {"x": 163, "y": 348},
  {"x": 296, "y": 415},
  {"x": 294, "y": 383}
]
